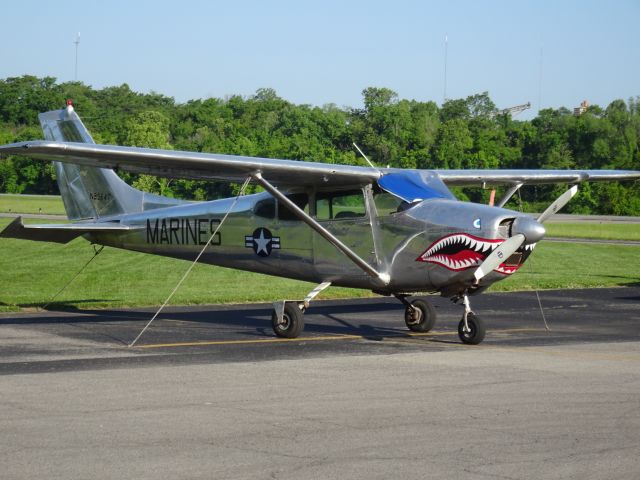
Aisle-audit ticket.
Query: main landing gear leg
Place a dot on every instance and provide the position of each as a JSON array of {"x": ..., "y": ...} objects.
[
  {"x": 419, "y": 315},
  {"x": 287, "y": 318},
  {"x": 471, "y": 328}
]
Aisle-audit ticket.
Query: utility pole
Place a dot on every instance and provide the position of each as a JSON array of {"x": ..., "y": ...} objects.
[{"x": 77, "y": 42}]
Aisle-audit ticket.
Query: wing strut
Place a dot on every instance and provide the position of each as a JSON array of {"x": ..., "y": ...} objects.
[
  {"x": 509, "y": 193},
  {"x": 323, "y": 232}
]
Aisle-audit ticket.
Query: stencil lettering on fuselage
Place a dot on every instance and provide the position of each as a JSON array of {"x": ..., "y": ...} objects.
[{"x": 183, "y": 231}]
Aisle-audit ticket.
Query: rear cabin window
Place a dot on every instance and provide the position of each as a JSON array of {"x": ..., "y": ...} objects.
[
  {"x": 266, "y": 208},
  {"x": 300, "y": 199},
  {"x": 340, "y": 205}
]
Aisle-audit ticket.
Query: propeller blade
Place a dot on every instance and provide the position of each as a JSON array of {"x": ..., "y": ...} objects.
[
  {"x": 499, "y": 255},
  {"x": 560, "y": 202}
]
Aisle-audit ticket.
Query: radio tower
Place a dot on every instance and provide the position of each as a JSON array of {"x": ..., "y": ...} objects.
[
  {"x": 446, "y": 45},
  {"x": 77, "y": 42}
]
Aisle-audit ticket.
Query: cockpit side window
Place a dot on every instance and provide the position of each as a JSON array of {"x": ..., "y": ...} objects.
[
  {"x": 337, "y": 205},
  {"x": 386, "y": 204}
]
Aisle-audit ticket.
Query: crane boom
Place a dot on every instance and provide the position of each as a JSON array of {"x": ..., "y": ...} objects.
[{"x": 512, "y": 110}]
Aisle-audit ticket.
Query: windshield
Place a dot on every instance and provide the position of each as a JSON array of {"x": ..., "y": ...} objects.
[{"x": 414, "y": 185}]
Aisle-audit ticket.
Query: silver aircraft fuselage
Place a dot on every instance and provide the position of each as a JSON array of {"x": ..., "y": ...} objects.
[{"x": 431, "y": 246}]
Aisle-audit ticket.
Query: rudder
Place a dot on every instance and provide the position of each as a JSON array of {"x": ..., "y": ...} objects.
[{"x": 90, "y": 192}]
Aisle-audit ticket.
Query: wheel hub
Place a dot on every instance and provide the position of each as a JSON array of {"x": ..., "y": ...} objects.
[
  {"x": 416, "y": 315},
  {"x": 468, "y": 331},
  {"x": 286, "y": 321}
]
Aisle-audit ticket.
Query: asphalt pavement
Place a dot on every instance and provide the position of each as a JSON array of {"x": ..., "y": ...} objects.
[{"x": 210, "y": 392}]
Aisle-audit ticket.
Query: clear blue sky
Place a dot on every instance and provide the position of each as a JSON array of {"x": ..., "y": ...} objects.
[{"x": 328, "y": 51}]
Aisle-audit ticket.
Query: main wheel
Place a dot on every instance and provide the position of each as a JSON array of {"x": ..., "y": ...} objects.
[
  {"x": 476, "y": 330},
  {"x": 292, "y": 322},
  {"x": 420, "y": 318}
]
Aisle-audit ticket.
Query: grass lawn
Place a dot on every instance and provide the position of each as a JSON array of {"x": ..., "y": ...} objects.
[
  {"x": 32, "y": 272},
  {"x": 602, "y": 231},
  {"x": 45, "y": 204},
  {"x": 568, "y": 265}
]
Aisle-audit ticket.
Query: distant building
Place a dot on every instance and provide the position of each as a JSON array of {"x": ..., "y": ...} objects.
[{"x": 581, "y": 109}]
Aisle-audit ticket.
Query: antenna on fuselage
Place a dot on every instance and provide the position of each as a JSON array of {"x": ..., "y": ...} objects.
[{"x": 364, "y": 156}]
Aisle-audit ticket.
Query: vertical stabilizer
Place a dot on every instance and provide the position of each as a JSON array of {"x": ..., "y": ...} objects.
[{"x": 89, "y": 192}]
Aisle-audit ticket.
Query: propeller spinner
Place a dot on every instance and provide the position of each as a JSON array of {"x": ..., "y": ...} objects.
[{"x": 525, "y": 231}]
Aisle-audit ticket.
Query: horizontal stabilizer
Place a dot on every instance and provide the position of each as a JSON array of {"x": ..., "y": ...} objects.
[{"x": 58, "y": 232}]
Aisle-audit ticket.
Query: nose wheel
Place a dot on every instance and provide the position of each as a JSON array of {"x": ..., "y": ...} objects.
[
  {"x": 473, "y": 332},
  {"x": 471, "y": 329}
]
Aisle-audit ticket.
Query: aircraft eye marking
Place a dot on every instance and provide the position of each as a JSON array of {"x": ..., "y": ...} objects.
[{"x": 262, "y": 242}]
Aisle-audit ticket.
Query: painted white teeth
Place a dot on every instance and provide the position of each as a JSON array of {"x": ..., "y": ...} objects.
[{"x": 464, "y": 241}]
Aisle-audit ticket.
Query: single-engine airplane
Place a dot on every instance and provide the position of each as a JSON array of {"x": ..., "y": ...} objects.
[{"x": 393, "y": 231}]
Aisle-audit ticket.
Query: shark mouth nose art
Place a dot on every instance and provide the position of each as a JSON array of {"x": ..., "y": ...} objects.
[{"x": 460, "y": 251}]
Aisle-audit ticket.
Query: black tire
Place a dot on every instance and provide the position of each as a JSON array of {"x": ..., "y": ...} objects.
[
  {"x": 293, "y": 321},
  {"x": 421, "y": 318},
  {"x": 476, "y": 325}
]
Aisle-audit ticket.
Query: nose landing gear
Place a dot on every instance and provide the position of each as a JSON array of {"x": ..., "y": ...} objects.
[{"x": 471, "y": 329}]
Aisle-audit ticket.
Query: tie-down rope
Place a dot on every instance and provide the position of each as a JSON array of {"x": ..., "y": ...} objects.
[
  {"x": 240, "y": 193},
  {"x": 96, "y": 252},
  {"x": 531, "y": 262}
]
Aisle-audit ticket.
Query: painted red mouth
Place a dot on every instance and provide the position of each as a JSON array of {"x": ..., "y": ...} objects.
[{"x": 461, "y": 251}]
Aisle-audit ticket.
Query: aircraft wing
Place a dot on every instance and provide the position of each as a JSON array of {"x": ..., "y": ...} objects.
[
  {"x": 58, "y": 232},
  {"x": 235, "y": 168},
  {"x": 462, "y": 178},
  {"x": 194, "y": 165}
]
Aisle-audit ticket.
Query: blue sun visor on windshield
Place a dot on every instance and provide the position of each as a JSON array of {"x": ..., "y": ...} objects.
[{"x": 414, "y": 185}]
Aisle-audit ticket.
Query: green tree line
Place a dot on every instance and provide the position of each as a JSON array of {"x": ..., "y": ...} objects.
[{"x": 462, "y": 133}]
